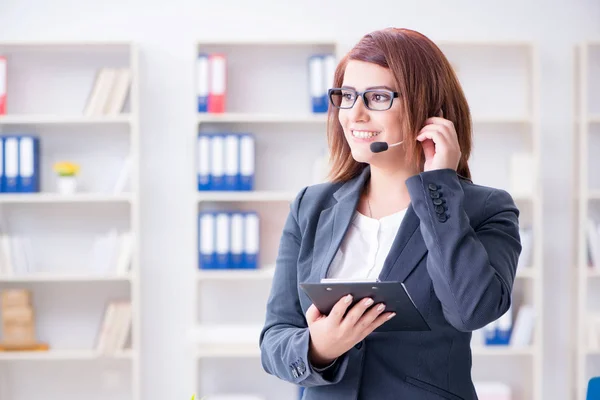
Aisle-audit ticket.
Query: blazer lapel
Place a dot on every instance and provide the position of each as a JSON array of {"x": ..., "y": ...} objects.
[
  {"x": 407, "y": 249},
  {"x": 333, "y": 224}
]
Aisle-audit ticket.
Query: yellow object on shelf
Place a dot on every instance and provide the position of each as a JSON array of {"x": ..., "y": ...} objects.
[{"x": 66, "y": 168}]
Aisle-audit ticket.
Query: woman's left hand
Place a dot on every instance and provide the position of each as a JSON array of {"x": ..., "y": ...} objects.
[{"x": 440, "y": 144}]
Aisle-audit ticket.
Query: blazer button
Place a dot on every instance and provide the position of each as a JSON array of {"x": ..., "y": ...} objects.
[
  {"x": 432, "y": 186},
  {"x": 438, "y": 202},
  {"x": 439, "y": 209},
  {"x": 435, "y": 195},
  {"x": 358, "y": 345},
  {"x": 442, "y": 218}
]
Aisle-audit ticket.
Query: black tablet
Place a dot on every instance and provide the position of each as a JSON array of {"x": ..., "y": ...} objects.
[{"x": 393, "y": 294}]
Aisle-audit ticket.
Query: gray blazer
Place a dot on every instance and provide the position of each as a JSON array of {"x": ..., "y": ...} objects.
[{"x": 456, "y": 251}]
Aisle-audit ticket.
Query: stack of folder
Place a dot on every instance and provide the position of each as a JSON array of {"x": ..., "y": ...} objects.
[
  {"x": 211, "y": 82},
  {"x": 228, "y": 239},
  {"x": 321, "y": 70},
  {"x": 226, "y": 161},
  {"x": 20, "y": 164},
  {"x": 508, "y": 330}
]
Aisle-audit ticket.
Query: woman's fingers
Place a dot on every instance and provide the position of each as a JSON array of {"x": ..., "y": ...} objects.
[
  {"x": 339, "y": 309},
  {"x": 356, "y": 313},
  {"x": 367, "y": 319}
]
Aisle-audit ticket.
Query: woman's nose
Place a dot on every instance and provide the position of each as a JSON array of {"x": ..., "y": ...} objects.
[{"x": 359, "y": 112}]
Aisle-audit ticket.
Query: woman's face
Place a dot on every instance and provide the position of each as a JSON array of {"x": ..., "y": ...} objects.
[{"x": 363, "y": 126}]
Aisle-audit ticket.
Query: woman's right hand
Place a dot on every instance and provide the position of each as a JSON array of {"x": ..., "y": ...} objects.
[{"x": 334, "y": 334}]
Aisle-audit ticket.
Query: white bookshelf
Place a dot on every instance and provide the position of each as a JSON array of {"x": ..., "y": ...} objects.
[
  {"x": 286, "y": 133},
  {"x": 48, "y": 88},
  {"x": 587, "y": 193},
  {"x": 501, "y": 123}
]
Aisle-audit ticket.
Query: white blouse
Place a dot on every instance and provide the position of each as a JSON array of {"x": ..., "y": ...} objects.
[{"x": 365, "y": 247}]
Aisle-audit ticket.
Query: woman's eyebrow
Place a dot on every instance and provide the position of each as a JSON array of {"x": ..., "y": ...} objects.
[{"x": 370, "y": 87}]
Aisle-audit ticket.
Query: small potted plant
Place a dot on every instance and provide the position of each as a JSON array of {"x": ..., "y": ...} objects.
[{"x": 66, "y": 182}]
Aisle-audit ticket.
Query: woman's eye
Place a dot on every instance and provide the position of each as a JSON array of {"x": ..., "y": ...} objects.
[{"x": 380, "y": 97}]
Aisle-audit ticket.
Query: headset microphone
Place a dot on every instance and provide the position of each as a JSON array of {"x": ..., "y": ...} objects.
[{"x": 378, "y": 147}]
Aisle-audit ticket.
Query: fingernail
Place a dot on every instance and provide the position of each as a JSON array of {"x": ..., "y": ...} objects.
[
  {"x": 368, "y": 302},
  {"x": 392, "y": 315},
  {"x": 348, "y": 299},
  {"x": 381, "y": 307}
]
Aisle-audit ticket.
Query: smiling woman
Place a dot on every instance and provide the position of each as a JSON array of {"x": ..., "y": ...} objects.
[{"x": 408, "y": 214}]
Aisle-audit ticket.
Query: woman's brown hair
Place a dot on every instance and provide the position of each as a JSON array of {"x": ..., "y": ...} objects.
[{"x": 427, "y": 85}]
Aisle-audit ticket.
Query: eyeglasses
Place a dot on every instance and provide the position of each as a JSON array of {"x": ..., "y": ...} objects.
[{"x": 377, "y": 100}]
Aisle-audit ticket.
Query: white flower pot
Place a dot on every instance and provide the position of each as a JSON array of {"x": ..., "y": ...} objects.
[{"x": 66, "y": 184}]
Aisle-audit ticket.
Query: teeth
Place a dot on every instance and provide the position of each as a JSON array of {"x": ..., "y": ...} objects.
[{"x": 364, "y": 134}]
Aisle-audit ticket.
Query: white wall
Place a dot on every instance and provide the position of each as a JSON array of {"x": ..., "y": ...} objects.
[{"x": 166, "y": 33}]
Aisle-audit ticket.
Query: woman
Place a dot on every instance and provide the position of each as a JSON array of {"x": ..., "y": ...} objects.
[{"x": 408, "y": 214}]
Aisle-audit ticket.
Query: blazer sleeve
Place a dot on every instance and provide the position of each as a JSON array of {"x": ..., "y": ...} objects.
[
  {"x": 284, "y": 339},
  {"x": 472, "y": 269}
]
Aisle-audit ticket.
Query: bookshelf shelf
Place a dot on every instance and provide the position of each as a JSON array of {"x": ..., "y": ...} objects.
[
  {"x": 322, "y": 118},
  {"x": 287, "y": 43},
  {"x": 51, "y": 119},
  {"x": 228, "y": 351},
  {"x": 500, "y": 351},
  {"x": 247, "y": 350},
  {"x": 63, "y": 355},
  {"x": 44, "y": 198},
  {"x": 262, "y": 118},
  {"x": 264, "y": 196},
  {"x": 267, "y": 273},
  {"x": 521, "y": 199},
  {"x": 236, "y": 275},
  {"x": 501, "y": 120},
  {"x": 77, "y": 254},
  {"x": 50, "y": 278},
  {"x": 527, "y": 273},
  {"x": 65, "y": 46}
]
